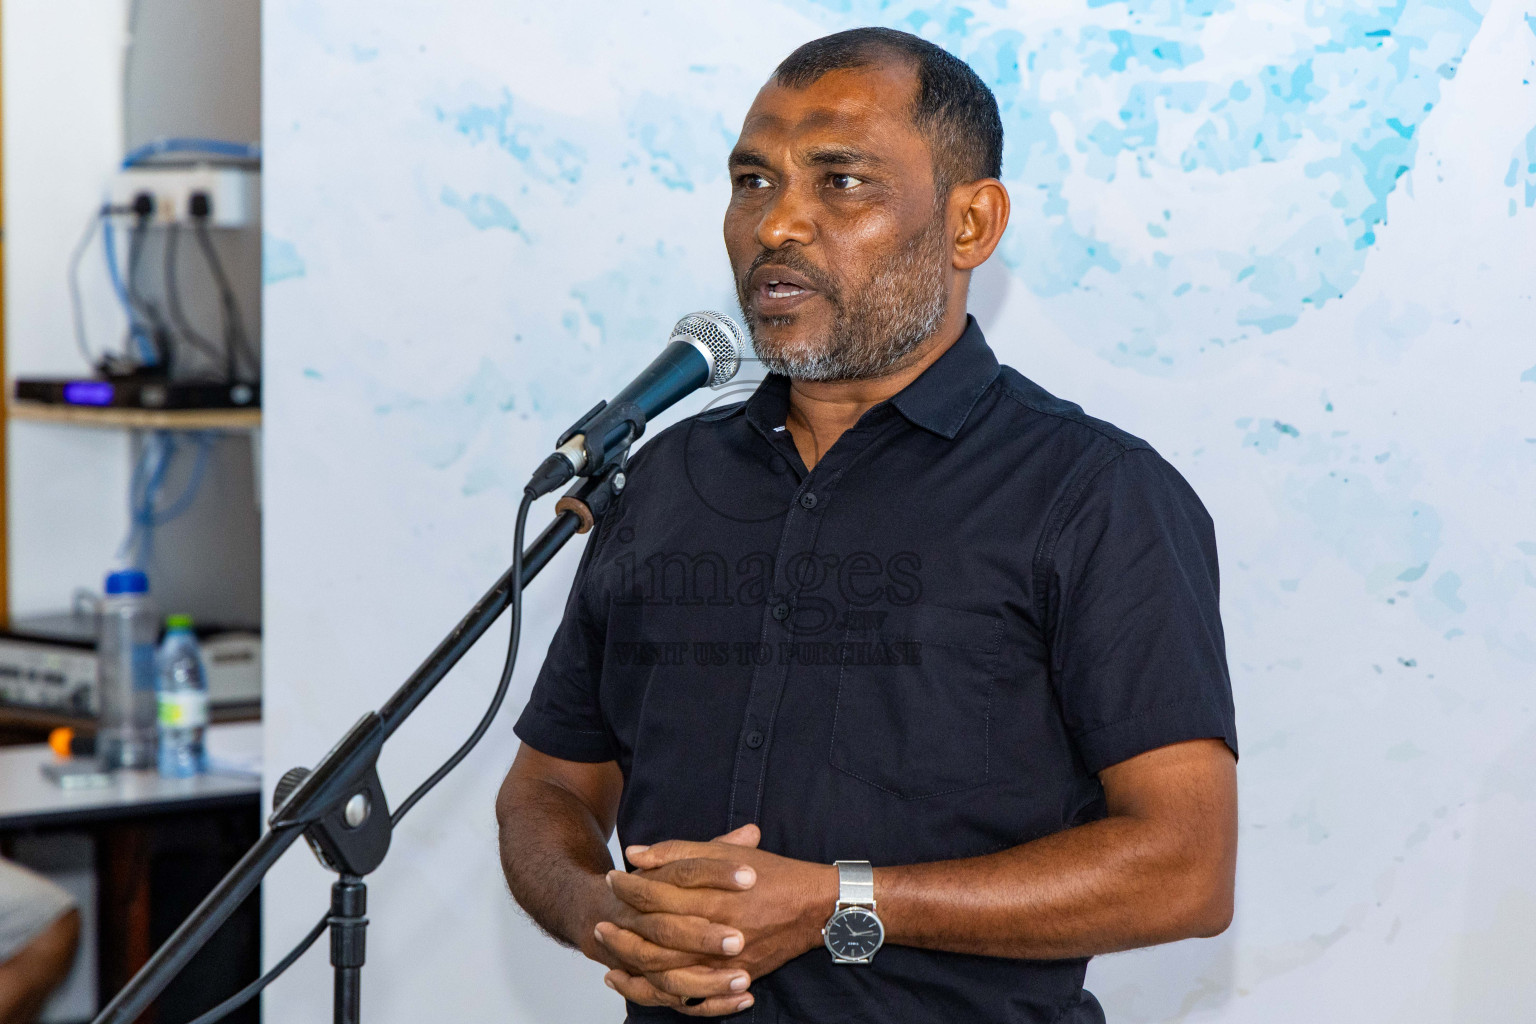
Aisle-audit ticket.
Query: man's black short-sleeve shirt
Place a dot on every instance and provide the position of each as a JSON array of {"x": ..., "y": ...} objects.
[{"x": 923, "y": 649}]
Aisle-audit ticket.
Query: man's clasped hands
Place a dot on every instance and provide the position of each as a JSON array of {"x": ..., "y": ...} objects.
[{"x": 696, "y": 923}]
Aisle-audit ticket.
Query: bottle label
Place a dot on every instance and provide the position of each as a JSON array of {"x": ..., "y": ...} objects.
[{"x": 185, "y": 710}]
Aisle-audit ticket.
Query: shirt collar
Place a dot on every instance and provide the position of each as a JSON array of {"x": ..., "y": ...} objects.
[
  {"x": 942, "y": 397},
  {"x": 939, "y": 400},
  {"x": 768, "y": 408}
]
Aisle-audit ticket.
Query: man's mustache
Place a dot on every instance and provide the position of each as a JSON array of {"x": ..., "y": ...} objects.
[{"x": 791, "y": 259}]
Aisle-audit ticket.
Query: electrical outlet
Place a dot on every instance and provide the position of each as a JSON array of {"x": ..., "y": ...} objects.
[{"x": 230, "y": 193}]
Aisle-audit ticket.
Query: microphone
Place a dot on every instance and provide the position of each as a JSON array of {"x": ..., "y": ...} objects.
[{"x": 705, "y": 348}]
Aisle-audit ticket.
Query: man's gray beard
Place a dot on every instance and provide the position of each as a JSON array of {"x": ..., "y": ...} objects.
[{"x": 880, "y": 325}]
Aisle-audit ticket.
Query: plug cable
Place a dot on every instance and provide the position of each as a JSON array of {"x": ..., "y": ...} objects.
[
  {"x": 235, "y": 340},
  {"x": 173, "y": 301},
  {"x": 149, "y": 313},
  {"x": 76, "y": 306},
  {"x": 136, "y": 334}
]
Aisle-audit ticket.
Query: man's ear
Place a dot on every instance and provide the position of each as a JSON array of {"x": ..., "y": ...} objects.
[{"x": 983, "y": 208}]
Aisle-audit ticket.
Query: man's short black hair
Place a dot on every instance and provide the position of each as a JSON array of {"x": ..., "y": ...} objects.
[{"x": 954, "y": 108}]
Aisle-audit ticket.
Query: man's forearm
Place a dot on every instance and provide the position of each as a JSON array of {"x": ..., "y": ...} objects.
[
  {"x": 1159, "y": 867},
  {"x": 1110, "y": 885},
  {"x": 554, "y": 853}
]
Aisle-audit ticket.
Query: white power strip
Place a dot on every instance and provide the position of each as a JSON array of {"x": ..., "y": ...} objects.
[{"x": 230, "y": 192}]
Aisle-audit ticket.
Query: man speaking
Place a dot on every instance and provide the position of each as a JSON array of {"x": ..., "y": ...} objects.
[{"x": 902, "y": 681}]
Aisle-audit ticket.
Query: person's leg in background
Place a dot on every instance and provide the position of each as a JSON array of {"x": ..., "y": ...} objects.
[{"x": 39, "y": 931}]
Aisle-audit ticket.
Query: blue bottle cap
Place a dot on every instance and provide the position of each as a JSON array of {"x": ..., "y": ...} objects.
[{"x": 127, "y": 581}]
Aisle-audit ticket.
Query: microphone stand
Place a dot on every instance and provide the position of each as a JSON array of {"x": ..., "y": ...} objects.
[{"x": 339, "y": 807}]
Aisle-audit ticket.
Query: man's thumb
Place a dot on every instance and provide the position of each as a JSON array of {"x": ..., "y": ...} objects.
[{"x": 748, "y": 835}]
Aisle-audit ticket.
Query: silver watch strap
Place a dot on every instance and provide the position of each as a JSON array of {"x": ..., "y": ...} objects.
[{"x": 855, "y": 882}]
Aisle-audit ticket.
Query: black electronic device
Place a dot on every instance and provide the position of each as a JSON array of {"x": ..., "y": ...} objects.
[{"x": 138, "y": 393}]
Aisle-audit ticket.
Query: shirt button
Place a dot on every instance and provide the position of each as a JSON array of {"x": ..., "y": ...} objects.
[
  {"x": 780, "y": 611},
  {"x": 754, "y": 739},
  {"x": 808, "y": 500}
]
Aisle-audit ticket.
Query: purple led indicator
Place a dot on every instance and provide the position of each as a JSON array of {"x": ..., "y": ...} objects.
[{"x": 88, "y": 392}]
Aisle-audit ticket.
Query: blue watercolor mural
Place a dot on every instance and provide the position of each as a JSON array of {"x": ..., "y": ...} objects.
[
  {"x": 1287, "y": 241},
  {"x": 279, "y": 260}
]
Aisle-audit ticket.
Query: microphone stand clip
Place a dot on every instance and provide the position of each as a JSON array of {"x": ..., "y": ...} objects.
[{"x": 624, "y": 422}]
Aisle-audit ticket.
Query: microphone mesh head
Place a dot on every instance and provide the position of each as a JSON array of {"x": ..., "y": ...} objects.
[{"x": 718, "y": 333}]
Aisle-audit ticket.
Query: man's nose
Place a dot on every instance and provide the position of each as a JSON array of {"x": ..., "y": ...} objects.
[{"x": 787, "y": 218}]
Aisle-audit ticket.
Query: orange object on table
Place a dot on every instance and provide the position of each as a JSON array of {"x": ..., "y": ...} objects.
[{"x": 59, "y": 740}]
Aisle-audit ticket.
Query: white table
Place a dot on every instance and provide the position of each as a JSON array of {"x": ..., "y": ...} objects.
[{"x": 28, "y": 798}]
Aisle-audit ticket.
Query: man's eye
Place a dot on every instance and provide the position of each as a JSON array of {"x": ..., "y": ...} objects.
[
  {"x": 843, "y": 182},
  {"x": 752, "y": 182}
]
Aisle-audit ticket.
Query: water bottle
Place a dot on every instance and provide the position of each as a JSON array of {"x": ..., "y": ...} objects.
[
  {"x": 125, "y": 671},
  {"x": 183, "y": 700}
]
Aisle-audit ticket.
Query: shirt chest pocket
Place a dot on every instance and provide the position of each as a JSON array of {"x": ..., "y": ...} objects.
[{"x": 915, "y": 694}]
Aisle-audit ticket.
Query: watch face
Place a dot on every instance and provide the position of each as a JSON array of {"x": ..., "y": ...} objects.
[{"x": 854, "y": 933}]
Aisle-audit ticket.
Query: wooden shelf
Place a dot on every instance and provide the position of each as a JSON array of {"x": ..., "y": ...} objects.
[
  {"x": 30, "y": 725},
  {"x": 135, "y": 419},
  {"x": 41, "y": 719}
]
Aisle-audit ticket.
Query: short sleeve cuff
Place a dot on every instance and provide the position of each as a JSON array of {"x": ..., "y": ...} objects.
[
  {"x": 1158, "y": 727},
  {"x": 549, "y": 737},
  {"x": 29, "y": 904}
]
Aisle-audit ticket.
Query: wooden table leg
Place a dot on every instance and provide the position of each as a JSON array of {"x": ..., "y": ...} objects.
[{"x": 123, "y": 908}]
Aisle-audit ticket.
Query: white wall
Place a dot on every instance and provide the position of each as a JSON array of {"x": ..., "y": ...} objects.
[
  {"x": 481, "y": 217},
  {"x": 63, "y": 69}
]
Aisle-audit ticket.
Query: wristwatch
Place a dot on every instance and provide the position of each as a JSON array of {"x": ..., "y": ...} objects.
[{"x": 854, "y": 932}]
